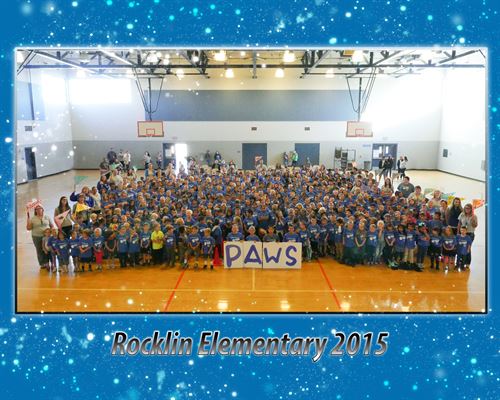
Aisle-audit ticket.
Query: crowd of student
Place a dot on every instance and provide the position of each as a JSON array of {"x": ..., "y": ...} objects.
[{"x": 164, "y": 218}]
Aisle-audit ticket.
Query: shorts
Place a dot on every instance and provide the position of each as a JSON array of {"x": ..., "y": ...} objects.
[
  {"x": 86, "y": 260},
  {"x": 145, "y": 250},
  {"x": 208, "y": 256},
  {"x": 449, "y": 253}
]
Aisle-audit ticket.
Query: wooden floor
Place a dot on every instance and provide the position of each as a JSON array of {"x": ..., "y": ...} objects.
[{"x": 323, "y": 286}]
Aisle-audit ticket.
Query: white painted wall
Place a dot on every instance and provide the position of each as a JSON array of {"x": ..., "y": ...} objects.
[
  {"x": 404, "y": 111},
  {"x": 463, "y": 127},
  {"x": 52, "y": 135}
]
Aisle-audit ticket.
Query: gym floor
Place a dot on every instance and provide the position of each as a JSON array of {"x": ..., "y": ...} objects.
[{"x": 320, "y": 286}]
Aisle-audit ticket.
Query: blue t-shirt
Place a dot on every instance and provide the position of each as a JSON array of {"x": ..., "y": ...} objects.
[
  {"x": 145, "y": 239},
  {"x": 372, "y": 239},
  {"x": 252, "y": 238},
  {"x": 86, "y": 248},
  {"x": 193, "y": 240},
  {"x": 291, "y": 237},
  {"x": 304, "y": 236},
  {"x": 331, "y": 228},
  {"x": 323, "y": 232},
  {"x": 339, "y": 233},
  {"x": 207, "y": 244},
  {"x": 436, "y": 241},
  {"x": 389, "y": 237},
  {"x": 449, "y": 242},
  {"x": 411, "y": 240},
  {"x": 122, "y": 243},
  {"x": 134, "y": 244},
  {"x": 217, "y": 234},
  {"x": 400, "y": 241},
  {"x": 98, "y": 243},
  {"x": 463, "y": 243},
  {"x": 74, "y": 244},
  {"x": 234, "y": 237},
  {"x": 348, "y": 238},
  {"x": 169, "y": 241},
  {"x": 314, "y": 232},
  {"x": 62, "y": 246},
  {"x": 423, "y": 240}
]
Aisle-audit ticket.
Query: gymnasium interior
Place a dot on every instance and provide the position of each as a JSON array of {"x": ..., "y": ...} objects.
[{"x": 340, "y": 108}]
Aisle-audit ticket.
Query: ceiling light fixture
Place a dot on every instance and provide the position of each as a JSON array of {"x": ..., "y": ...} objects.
[{"x": 280, "y": 73}]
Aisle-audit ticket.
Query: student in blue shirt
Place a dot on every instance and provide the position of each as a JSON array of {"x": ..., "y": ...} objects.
[
  {"x": 145, "y": 241},
  {"x": 435, "y": 247},
  {"x": 85, "y": 250},
  {"x": 291, "y": 236},
  {"x": 349, "y": 244},
  {"x": 330, "y": 235},
  {"x": 122, "y": 246},
  {"x": 207, "y": 248},
  {"x": 423, "y": 242},
  {"x": 61, "y": 246},
  {"x": 449, "y": 247},
  {"x": 134, "y": 247},
  {"x": 305, "y": 239},
  {"x": 399, "y": 246},
  {"x": 464, "y": 243},
  {"x": 371, "y": 244},
  {"x": 252, "y": 237},
  {"x": 193, "y": 247},
  {"x": 339, "y": 239},
  {"x": 235, "y": 235},
  {"x": 388, "y": 252},
  {"x": 313, "y": 230},
  {"x": 169, "y": 247},
  {"x": 98, "y": 247},
  {"x": 360, "y": 243},
  {"x": 74, "y": 245},
  {"x": 323, "y": 235},
  {"x": 410, "y": 246}
]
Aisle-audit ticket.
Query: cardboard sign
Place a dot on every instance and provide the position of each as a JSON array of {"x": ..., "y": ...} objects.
[
  {"x": 282, "y": 255},
  {"x": 233, "y": 254},
  {"x": 263, "y": 255},
  {"x": 58, "y": 219},
  {"x": 252, "y": 252},
  {"x": 33, "y": 204}
]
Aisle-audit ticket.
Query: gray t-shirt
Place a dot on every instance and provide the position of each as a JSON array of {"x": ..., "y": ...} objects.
[
  {"x": 406, "y": 189},
  {"x": 39, "y": 225}
]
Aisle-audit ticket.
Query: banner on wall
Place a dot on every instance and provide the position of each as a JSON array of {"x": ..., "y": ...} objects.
[{"x": 263, "y": 255}]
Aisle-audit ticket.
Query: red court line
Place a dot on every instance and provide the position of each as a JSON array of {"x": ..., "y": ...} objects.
[
  {"x": 165, "y": 309},
  {"x": 329, "y": 285}
]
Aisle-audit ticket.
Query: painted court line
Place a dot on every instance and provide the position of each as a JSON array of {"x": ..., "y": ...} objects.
[
  {"x": 165, "y": 309},
  {"x": 329, "y": 285},
  {"x": 409, "y": 291}
]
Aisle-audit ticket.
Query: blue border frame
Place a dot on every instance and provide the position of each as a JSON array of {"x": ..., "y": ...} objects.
[{"x": 445, "y": 356}]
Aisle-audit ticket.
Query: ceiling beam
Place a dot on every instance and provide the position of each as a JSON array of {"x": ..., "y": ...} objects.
[
  {"x": 320, "y": 57},
  {"x": 200, "y": 66}
]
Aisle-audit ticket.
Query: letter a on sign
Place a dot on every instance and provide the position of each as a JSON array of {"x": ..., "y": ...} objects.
[{"x": 253, "y": 254}]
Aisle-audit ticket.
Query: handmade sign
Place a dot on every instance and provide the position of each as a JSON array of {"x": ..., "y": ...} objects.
[
  {"x": 263, "y": 255},
  {"x": 58, "y": 219},
  {"x": 33, "y": 204}
]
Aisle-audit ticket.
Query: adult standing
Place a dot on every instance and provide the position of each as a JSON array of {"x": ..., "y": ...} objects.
[
  {"x": 37, "y": 225},
  {"x": 111, "y": 156},
  {"x": 208, "y": 157},
  {"x": 66, "y": 224},
  {"x": 402, "y": 162},
  {"x": 388, "y": 166},
  {"x": 452, "y": 214},
  {"x": 286, "y": 160},
  {"x": 104, "y": 168},
  {"x": 147, "y": 159},
  {"x": 159, "y": 160},
  {"x": 468, "y": 219},
  {"x": 127, "y": 158},
  {"x": 295, "y": 158},
  {"x": 120, "y": 158}
]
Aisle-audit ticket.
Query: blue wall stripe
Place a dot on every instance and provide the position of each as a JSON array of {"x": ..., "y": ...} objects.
[{"x": 254, "y": 105}]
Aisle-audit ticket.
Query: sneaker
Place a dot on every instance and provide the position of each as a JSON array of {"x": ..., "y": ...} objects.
[{"x": 211, "y": 267}]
